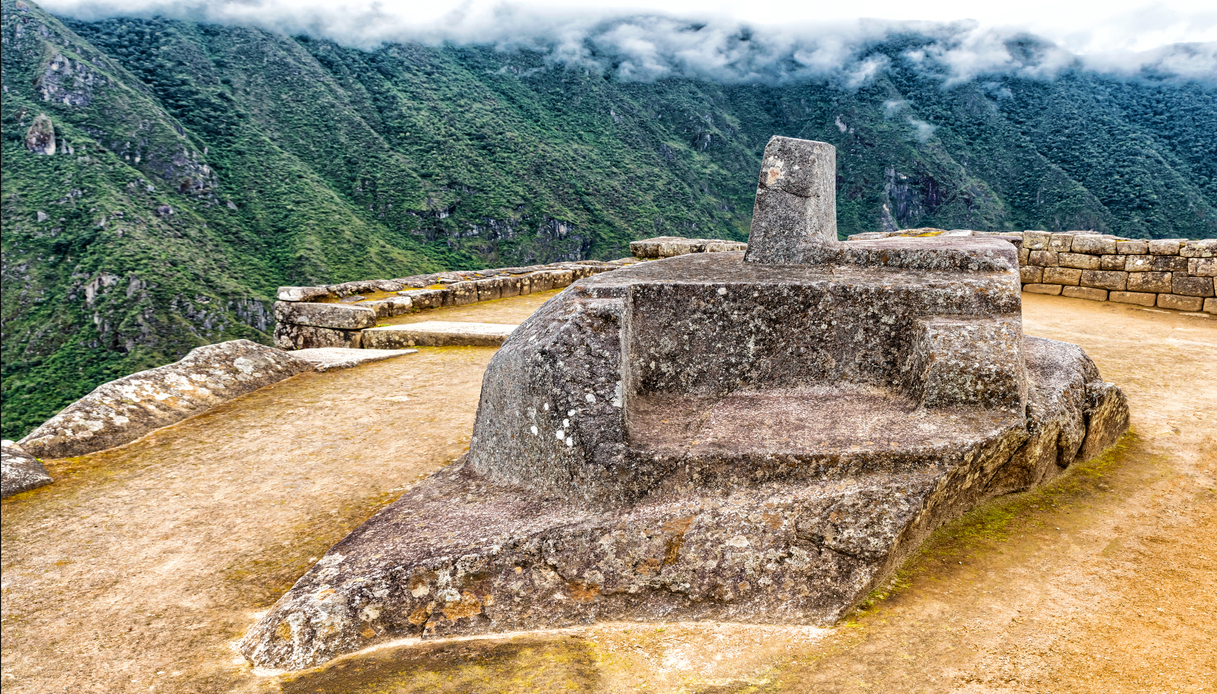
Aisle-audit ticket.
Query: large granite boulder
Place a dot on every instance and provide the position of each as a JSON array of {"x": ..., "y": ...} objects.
[
  {"x": 754, "y": 438},
  {"x": 20, "y": 471},
  {"x": 123, "y": 410}
]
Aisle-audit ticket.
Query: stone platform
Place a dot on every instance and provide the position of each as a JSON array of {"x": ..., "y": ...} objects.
[{"x": 760, "y": 437}]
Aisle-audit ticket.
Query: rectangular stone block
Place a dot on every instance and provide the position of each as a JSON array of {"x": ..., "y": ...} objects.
[
  {"x": 337, "y": 316},
  {"x": 1202, "y": 267},
  {"x": 1024, "y": 256},
  {"x": 302, "y": 293},
  {"x": 291, "y": 336},
  {"x": 1082, "y": 261},
  {"x": 1061, "y": 275},
  {"x": 1191, "y": 286},
  {"x": 1139, "y": 263},
  {"x": 425, "y": 298},
  {"x": 489, "y": 289},
  {"x": 1165, "y": 246},
  {"x": 1104, "y": 279},
  {"x": 460, "y": 294},
  {"x": 1085, "y": 293},
  {"x": 1051, "y": 289},
  {"x": 1112, "y": 262},
  {"x": 1030, "y": 274},
  {"x": 1036, "y": 240},
  {"x": 1180, "y": 303},
  {"x": 1043, "y": 258},
  {"x": 392, "y": 306},
  {"x": 1169, "y": 263},
  {"x": 1096, "y": 244},
  {"x": 1133, "y": 298},
  {"x": 1155, "y": 282},
  {"x": 1204, "y": 248},
  {"x": 509, "y": 286},
  {"x": 1132, "y": 247},
  {"x": 1210, "y": 306},
  {"x": 1060, "y": 242}
]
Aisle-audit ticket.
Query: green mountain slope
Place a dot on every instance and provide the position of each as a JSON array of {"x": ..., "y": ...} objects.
[{"x": 197, "y": 167}]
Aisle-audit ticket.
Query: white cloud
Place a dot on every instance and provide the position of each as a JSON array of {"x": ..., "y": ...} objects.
[{"x": 761, "y": 40}]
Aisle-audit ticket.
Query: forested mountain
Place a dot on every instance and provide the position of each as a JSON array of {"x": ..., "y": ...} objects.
[{"x": 161, "y": 178}]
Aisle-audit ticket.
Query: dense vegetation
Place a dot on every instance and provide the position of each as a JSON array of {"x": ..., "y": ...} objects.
[{"x": 197, "y": 167}]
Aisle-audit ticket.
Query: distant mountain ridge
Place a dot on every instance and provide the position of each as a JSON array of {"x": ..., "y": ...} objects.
[{"x": 196, "y": 167}]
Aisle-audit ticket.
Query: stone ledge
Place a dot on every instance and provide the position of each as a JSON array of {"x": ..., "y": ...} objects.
[{"x": 123, "y": 410}]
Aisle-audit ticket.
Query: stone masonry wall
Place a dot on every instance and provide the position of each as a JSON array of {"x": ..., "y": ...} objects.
[
  {"x": 1175, "y": 274},
  {"x": 335, "y": 315},
  {"x": 1167, "y": 273}
]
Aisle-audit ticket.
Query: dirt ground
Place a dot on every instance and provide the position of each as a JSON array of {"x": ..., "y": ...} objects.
[{"x": 140, "y": 566}]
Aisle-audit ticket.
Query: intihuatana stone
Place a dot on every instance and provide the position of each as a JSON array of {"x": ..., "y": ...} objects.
[
  {"x": 20, "y": 471},
  {"x": 759, "y": 438},
  {"x": 121, "y": 411}
]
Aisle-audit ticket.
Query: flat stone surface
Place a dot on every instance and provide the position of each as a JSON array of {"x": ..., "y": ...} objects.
[
  {"x": 318, "y": 315},
  {"x": 20, "y": 471},
  {"x": 436, "y": 334},
  {"x": 121, "y": 411},
  {"x": 330, "y": 358}
]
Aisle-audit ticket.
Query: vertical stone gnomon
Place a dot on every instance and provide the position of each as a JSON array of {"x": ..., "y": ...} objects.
[{"x": 796, "y": 201}]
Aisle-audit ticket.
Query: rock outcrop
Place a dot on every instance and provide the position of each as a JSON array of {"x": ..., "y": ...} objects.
[
  {"x": 123, "y": 410},
  {"x": 760, "y": 438},
  {"x": 20, "y": 471}
]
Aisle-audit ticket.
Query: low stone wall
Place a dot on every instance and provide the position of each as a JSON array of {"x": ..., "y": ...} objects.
[
  {"x": 1175, "y": 274},
  {"x": 336, "y": 315},
  {"x": 1166, "y": 273}
]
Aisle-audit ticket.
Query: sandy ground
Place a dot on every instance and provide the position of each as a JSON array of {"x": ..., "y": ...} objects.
[{"x": 140, "y": 566}]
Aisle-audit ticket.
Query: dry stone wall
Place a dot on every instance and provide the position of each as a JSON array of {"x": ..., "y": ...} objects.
[
  {"x": 336, "y": 315},
  {"x": 1166, "y": 273},
  {"x": 1176, "y": 274}
]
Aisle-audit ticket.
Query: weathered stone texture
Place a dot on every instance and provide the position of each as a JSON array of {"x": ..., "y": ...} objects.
[
  {"x": 302, "y": 293},
  {"x": 1103, "y": 279},
  {"x": 1113, "y": 262},
  {"x": 1191, "y": 286},
  {"x": 1166, "y": 246},
  {"x": 760, "y": 437},
  {"x": 291, "y": 336},
  {"x": 1202, "y": 267},
  {"x": 334, "y": 316},
  {"x": 669, "y": 246},
  {"x": 1061, "y": 275},
  {"x": 1031, "y": 274},
  {"x": 1044, "y": 258},
  {"x": 1085, "y": 293},
  {"x": 121, "y": 411},
  {"x": 20, "y": 471},
  {"x": 1132, "y": 247},
  {"x": 1136, "y": 298},
  {"x": 1180, "y": 303},
  {"x": 1149, "y": 282},
  {"x": 1081, "y": 260},
  {"x": 1049, "y": 289},
  {"x": 1094, "y": 244},
  {"x": 1139, "y": 263}
]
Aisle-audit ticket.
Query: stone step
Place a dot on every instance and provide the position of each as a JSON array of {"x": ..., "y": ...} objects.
[
  {"x": 436, "y": 334},
  {"x": 330, "y": 358}
]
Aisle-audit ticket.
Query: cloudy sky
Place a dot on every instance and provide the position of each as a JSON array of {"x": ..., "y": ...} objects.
[{"x": 653, "y": 39}]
